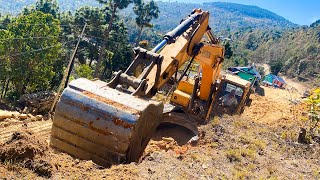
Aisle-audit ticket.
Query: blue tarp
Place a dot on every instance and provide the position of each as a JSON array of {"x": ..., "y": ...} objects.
[
  {"x": 279, "y": 79},
  {"x": 270, "y": 78}
]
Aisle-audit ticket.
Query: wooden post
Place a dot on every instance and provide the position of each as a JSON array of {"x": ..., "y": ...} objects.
[{"x": 67, "y": 72}]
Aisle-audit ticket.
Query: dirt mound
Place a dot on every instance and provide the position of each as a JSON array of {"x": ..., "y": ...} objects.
[
  {"x": 40, "y": 167},
  {"x": 4, "y": 106},
  {"x": 22, "y": 145},
  {"x": 23, "y": 149},
  {"x": 165, "y": 144}
]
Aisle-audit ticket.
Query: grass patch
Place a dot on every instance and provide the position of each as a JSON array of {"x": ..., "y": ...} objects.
[
  {"x": 250, "y": 153},
  {"x": 196, "y": 157},
  {"x": 241, "y": 174},
  {"x": 233, "y": 155},
  {"x": 215, "y": 121},
  {"x": 255, "y": 144},
  {"x": 316, "y": 174},
  {"x": 260, "y": 144},
  {"x": 213, "y": 145},
  {"x": 289, "y": 135},
  {"x": 241, "y": 123}
]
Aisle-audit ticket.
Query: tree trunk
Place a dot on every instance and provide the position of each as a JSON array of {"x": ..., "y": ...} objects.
[
  {"x": 90, "y": 63},
  {"x": 3, "y": 84},
  {"x": 139, "y": 35},
  {"x": 104, "y": 71},
  {"x": 104, "y": 46},
  {"x": 5, "y": 89}
]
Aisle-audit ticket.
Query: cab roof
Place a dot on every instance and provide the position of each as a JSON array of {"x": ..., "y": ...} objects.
[{"x": 237, "y": 80}]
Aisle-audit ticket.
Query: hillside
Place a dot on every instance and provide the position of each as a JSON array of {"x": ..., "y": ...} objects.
[
  {"x": 224, "y": 15},
  {"x": 297, "y": 49},
  {"x": 15, "y": 6},
  {"x": 317, "y": 23}
]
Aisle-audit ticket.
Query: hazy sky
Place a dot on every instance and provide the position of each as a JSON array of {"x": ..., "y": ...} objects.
[{"x": 302, "y": 12}]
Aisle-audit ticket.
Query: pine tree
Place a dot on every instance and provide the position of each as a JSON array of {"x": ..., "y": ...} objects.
[
  {"x": 113, "y": 6},
  {"x": 145, "y": 13}
]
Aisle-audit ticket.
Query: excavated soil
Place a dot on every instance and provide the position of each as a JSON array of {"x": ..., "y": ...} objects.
[
  {"x": 22, "y": 145},
  {"x": 25, "y": 149},
  {"x": 260, "y": 144}
]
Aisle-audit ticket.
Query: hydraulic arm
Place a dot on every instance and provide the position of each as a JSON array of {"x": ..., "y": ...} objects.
[
  {"x": 167, "y": 57},
  {"x": 112, "y": 122}
]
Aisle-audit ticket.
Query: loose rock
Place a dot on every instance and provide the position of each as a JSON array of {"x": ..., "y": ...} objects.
[
  {"x": 8, "y": 114},
  {"x": 23, "y": 116},
  {"x": 39, "y": 117}
]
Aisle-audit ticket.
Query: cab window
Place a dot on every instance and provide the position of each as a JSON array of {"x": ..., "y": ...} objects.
[{"x": 229, "y": 87}]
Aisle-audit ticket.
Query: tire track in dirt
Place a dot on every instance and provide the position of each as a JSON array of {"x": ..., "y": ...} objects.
[{"x": 41, "y": 128}]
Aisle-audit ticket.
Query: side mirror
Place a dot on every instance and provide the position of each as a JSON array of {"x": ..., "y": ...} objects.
[{"x": 248, "y": 103}]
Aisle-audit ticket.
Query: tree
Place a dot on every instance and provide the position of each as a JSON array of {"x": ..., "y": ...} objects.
[
  {"x": 228, "y": 50},
  {"x": 275, "y": 66},
  {"x": 145, "y": 13},
  {"x": 4, "y": 21},
  {"x": 95, "y": 18},
  {"x": 31, "y": 60},
  {"x": 5, "y": 47},
  {"x": 251, "y": 42},
  {"x": 119, "y": 55},
  {"x": 84, "y": 71},
  {"x": 48, "y": 7},
  {"x": 112, "y": 6},
  {"x": 45, "y": 6},
  {"x": 312, "y": 50}
]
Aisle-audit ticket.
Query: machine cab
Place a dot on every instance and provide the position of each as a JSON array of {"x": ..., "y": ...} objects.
[{"x": 232, "y": 95}]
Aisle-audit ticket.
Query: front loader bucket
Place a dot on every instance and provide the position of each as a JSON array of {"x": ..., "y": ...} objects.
[{"x": 95, "y": 122}]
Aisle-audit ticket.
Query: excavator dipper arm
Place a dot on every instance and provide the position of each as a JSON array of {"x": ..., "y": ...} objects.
[{"x": 169, "y": 55}]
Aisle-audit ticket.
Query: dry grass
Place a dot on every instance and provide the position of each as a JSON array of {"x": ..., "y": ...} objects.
[
  {"x": 239, "y": 153},
  {"x": 233, "y": 155},
  {"x": 241, "y": 174}
]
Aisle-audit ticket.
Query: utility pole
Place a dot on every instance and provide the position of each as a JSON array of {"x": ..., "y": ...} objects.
[{"x": 67, "y": 72}]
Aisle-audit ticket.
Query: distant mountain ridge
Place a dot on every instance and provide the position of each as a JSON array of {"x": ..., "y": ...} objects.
[
  {"x": 224, "y": 16},
  {"x": 248, "y": 10},
  {"x": 317, "y": 23}
]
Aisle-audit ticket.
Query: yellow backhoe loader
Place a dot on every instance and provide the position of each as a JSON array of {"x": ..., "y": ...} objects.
[{"x": 111, "y": 123}]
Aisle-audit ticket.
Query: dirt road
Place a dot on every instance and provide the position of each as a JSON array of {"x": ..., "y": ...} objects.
[
  {"x": 40, "y": 128},
  {"x": 275, "y": 107}
]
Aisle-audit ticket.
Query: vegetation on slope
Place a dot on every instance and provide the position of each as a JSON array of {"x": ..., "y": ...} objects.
[
  {"x": 317, "y": 23},
  {"x": 15, "y": 6},
  {"x": 224, "y": 16},
  {"x": 29, "y": 63},
  {"x": 297, "y": 50},
  {"x": 35, "y": 47}
]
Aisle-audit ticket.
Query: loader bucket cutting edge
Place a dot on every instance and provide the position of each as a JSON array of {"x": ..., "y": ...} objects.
[{"x": 95, "y": 122}]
